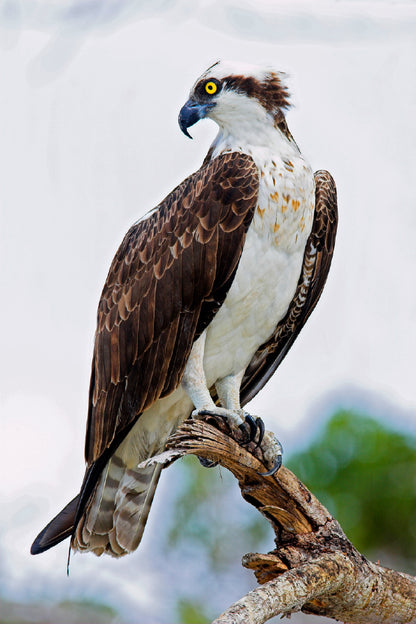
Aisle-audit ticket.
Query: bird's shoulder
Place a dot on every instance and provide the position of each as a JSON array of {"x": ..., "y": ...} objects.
[{"x": 222, "y": 193}]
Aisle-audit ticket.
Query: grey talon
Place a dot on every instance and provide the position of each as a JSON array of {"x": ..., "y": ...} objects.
[
  {"x": 249, "y": 420},
  {"x": 207, "y": 463},
  {"x": 269, "y": 473},
  {"x": 261, "y": 428}
]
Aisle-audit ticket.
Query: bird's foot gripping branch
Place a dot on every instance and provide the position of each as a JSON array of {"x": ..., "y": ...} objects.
[
  {"x": 314, "y": 568},
  {"x": 250, "y": 434}
]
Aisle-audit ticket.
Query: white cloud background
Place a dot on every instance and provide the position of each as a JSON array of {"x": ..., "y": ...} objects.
[{"x": 89, "y": 142}]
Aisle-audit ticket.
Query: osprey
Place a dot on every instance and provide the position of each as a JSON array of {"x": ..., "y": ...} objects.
[{"x": 203, "y": 300}]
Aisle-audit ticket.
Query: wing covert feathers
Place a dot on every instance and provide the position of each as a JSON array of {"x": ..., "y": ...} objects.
[
  {"x": 316, "y": 264},
  {"x": 167, "y": 280}
]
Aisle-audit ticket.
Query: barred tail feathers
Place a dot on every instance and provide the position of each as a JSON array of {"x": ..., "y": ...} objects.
[{"x": 114, "y": 520}]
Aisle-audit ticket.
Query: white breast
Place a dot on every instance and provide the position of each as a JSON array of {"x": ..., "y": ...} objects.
[{"x": 270, "y": 265}]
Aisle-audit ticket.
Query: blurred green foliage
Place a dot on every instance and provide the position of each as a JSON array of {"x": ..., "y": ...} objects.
[
  {"x": 64, "y": 612},
  {"x": 364, "y": 473},
  {"x": 212, "y": 525},
  {"x": 210, "y": 516},
  {"x": 191, "y": 612}
]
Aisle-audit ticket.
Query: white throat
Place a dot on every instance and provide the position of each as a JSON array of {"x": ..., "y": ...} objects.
[{"x": 245, "y": 126}]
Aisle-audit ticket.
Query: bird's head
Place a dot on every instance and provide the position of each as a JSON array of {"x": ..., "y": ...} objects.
[{"x": 235, "y": 96}]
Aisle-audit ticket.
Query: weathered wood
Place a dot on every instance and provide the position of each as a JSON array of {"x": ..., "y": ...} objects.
[{"x": 314, "y": 567}]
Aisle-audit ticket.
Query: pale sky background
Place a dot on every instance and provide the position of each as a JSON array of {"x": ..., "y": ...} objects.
[{"x": 89, "y": 142}]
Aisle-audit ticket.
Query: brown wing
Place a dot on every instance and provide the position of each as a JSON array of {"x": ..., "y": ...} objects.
[
  {"x": 167, "y": 280},
  {"x": 316, "y": 263}
]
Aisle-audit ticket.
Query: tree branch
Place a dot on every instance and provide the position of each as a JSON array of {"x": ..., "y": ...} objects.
[{"x": 314, "y": 567}]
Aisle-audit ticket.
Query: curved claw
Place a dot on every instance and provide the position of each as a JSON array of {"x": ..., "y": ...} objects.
[
  {"x": 207, "y": 463},
  {"x": 256, "y": 426},
  {"x": 277, "y": 464},
  {"x": 252, "y": 425},
  {"x": 260, "y": 425}
]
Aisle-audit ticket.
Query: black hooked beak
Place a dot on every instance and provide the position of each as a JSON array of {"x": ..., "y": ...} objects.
[{"x": 191, "y": 112}]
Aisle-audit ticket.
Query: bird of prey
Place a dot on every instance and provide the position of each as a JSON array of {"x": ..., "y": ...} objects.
[{"x": 202, "y": 302}]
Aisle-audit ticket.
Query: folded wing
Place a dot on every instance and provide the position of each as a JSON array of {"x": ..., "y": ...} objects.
[{"x": 168, "y": 279}]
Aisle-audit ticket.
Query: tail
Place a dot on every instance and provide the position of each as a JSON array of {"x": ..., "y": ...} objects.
[
  {"x": 110, "y": 513},
  {"x": 114, "y": 518},
  {"x": 58, "y": 529}
]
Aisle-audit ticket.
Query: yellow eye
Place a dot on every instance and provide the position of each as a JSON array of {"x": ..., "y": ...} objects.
[{"x": 211, "y": 87}]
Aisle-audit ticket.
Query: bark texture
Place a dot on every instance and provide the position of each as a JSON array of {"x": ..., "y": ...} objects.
[{"x": 314, "y": 567}]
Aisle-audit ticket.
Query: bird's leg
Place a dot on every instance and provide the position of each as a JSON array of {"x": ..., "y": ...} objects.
[
  {"x": 194, "y": 382},
  {"x": 195, "y": 385},
  {"x": 228, "y": 389}
]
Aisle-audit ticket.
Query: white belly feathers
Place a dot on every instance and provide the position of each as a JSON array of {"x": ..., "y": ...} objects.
[{"x": 269, "y": 269}]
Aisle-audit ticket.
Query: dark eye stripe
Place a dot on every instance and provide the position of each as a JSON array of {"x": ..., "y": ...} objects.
[{"x": 271, "y": 93}]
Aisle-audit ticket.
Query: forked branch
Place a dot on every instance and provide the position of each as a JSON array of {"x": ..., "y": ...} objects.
[{"x": 314, "y": 567}]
